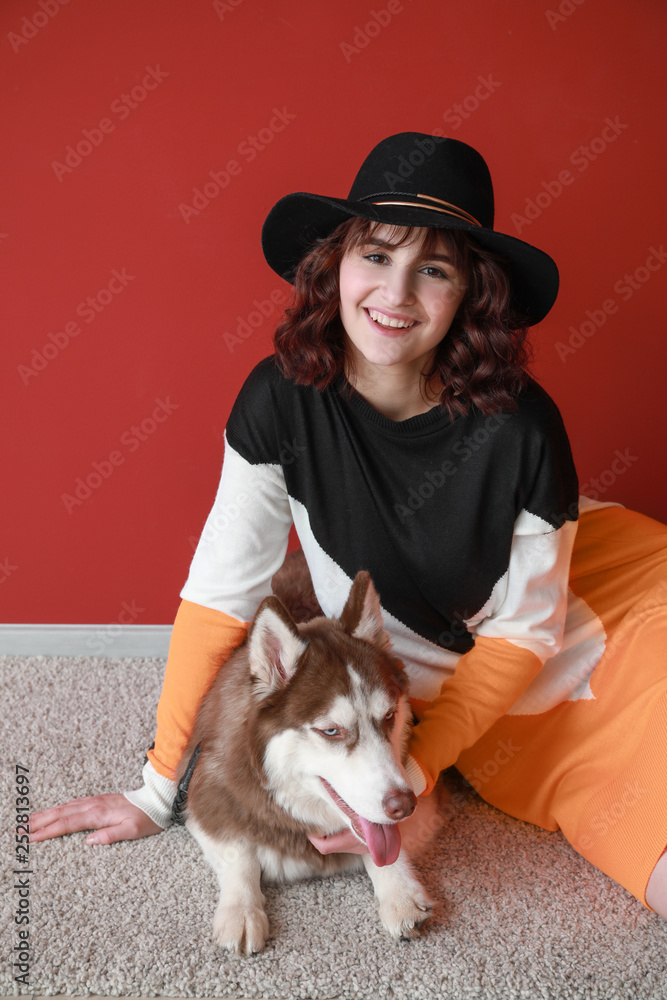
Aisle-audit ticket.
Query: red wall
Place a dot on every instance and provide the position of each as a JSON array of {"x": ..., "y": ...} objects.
[{"x": 535, "y": 88}]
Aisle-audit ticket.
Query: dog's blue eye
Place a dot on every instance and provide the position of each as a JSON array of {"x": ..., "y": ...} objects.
[{"x": 331, "y": 732}]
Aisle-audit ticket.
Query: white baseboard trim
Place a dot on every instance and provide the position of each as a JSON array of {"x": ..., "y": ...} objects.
[{"x": 85, "y": 640}]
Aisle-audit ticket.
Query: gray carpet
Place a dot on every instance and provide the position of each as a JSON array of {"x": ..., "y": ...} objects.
[{"x": 520, "y": 914}]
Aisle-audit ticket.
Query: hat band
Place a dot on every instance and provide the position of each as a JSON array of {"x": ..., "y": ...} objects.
[{"x": 454, "y": 210}]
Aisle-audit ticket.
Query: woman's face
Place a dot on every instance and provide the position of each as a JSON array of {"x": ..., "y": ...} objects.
[{"x": 396, "y": 304}]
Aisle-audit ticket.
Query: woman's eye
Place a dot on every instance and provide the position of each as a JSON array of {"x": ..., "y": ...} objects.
[{"x": 430, "y": 271}]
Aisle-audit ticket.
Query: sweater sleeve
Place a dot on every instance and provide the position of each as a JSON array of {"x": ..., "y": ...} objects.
[
  {"x": 243, "y": 544},
  {"x": 515, "y": 633},
  {"x": 522, "y": 623},
  {"x": 201, "y": 642}
]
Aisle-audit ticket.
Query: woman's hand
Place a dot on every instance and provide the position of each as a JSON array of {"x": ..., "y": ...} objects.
[
  {"x": 112, "y": 816},
  {"x": 343, "y": 842}
]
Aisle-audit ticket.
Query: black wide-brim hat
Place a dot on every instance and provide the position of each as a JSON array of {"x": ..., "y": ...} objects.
[{"x": 415, "y": 179}]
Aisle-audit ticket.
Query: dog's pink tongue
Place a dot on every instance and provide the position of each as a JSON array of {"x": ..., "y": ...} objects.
[{"x": 383, "y": 840}]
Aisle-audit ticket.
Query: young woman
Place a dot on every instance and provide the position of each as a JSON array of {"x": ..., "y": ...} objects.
[{"x": 396, "y": 427}]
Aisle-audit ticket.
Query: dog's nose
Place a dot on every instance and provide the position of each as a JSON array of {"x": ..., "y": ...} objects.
[{"x": 399, "y": 804}]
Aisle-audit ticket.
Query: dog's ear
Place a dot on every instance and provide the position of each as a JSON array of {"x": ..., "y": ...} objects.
[
  {"x": 362, "y": 615},
  {"x": 274, "y": 645}
]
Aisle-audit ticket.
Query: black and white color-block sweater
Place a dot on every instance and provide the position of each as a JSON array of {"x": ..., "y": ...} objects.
[{"x": 466, "y": 527}]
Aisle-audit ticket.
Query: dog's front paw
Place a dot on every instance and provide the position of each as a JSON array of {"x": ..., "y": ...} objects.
[
  {"x": 403, "y": 914},
  {"x": 241, "y": 928}
]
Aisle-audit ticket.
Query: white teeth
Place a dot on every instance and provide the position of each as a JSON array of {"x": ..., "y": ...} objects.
[{"x": 400, "y": 324}]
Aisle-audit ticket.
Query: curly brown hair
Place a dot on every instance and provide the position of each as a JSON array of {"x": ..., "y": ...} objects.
[{"x": 481, "y": 361}]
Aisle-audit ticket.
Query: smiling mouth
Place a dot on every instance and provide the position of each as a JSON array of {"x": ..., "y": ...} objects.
[{"x": 386, "y": 323}]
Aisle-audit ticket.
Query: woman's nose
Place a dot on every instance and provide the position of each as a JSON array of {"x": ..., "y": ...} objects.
[{"x": 398, "y": 288}]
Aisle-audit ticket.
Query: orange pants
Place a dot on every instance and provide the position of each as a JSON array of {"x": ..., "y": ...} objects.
[{"x": 596, "y": 768}]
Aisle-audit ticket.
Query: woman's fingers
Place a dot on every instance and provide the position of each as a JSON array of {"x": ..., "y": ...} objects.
[
  {"x": 127, "y": 829},
  {"x": 71, "y": 817},
  {"x": 113, "y": 817},
  {"x": 39, "y": 820},
  {"x": 343, "y": 842}
]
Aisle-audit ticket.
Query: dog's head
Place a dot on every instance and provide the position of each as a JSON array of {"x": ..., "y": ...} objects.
[{"x": 333, "y": 718}]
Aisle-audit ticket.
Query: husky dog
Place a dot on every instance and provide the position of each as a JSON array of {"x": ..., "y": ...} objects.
[{"x": 303, "y": 732}]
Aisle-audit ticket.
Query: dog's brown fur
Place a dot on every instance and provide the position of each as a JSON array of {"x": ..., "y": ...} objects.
[
  {"x": 254, "y": 798},
  {"x": 227, "y": 791}
]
